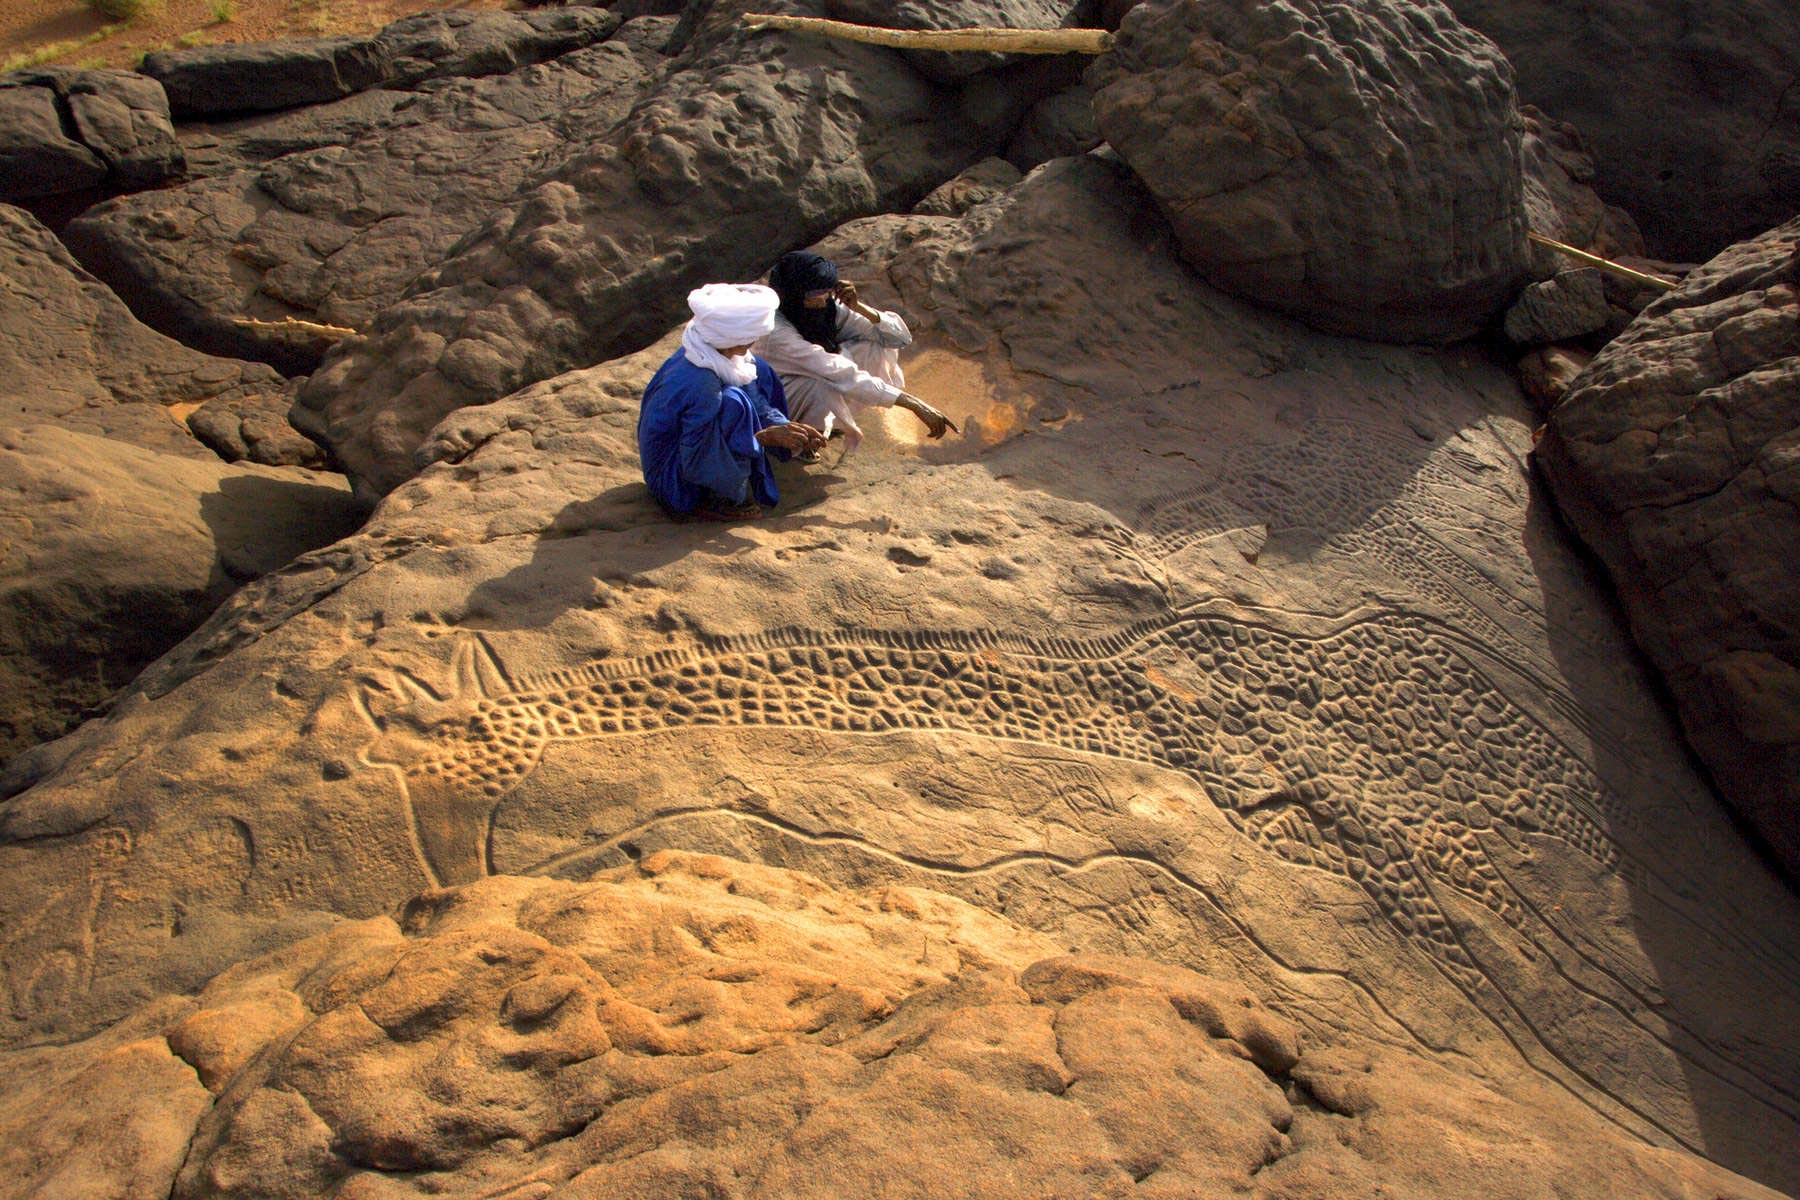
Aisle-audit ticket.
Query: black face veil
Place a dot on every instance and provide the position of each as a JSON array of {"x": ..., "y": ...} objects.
[{"x": 796, "y": 274}]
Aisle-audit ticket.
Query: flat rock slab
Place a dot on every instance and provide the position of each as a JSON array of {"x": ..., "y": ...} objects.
[
  {"x": 64, "y": 130},
  {"x": 1677, "y": 457},
  {"x": 241, "y": 77},
  {"x": 1690, "y": 108},
  {"x": 692, "y": 1023},
  {"x": 1213, "y": 639},
  {"x": 1355, "y": 165}
]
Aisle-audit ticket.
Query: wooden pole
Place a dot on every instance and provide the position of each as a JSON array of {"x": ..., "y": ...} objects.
[
  {"x": 1006, "y": 41},
  {"x": 333, "y": 333},
  {"x": 1607, "y": 265}
]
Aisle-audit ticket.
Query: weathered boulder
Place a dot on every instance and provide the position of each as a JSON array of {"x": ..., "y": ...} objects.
[
  {"x": 1214, "y": 640},
  {"x": 121, "y": 532},
  {"x": 1548, "y": 372},
  {"x": 73, "y": 355},
  {"x": 1356, "y": 165},
  {"x": 112, "y": 553},
  {"x": 255, "y": 429},
  {"x": 237, "y": 77},
  {"x": 756, "y": 143},
  {"x": 66, "y": 130},
  {"x": 1677, "y": 458},
  {"x": 692, "y": 1025},
  {"x": 962, "y": 14},
  {"x": 258, "y": 76},
  {"x": 977, "y": 185},
  {"x": 336, "y": 233},
  {"x": 1567, "y": 305},
  {"x": 1690, "y": 107}
]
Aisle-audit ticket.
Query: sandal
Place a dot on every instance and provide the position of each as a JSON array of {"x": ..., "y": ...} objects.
[{"x": 729, "y": 512}]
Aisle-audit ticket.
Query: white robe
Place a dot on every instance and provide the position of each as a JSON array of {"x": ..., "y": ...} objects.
[{"x": 864, "y": 372}]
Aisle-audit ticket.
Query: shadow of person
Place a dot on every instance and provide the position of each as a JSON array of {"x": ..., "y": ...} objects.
[{"x": 616, "y": 537}]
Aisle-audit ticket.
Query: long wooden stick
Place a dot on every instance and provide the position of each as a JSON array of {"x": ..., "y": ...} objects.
[
  {"x": 296, "y": 325},
  {"x": 1605, "y": 264},
  {"x": 1007, "y": 41}
]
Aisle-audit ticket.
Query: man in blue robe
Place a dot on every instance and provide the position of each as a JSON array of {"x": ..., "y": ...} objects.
[{"x": 713, "y": 411}]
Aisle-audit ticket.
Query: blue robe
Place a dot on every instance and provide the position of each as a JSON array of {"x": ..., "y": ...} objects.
[{"x": 697, "y": 437}]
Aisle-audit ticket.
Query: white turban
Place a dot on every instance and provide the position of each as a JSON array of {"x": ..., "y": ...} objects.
[
  {"x": 728, "y": 314},
  {"x": 733, "y": 314}
]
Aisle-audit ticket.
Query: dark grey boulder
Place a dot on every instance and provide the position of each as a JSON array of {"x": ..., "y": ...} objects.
[
  {"x": 37, "y": 158},
  {"x": 263, "y": 76},
  {"x": 980, "y": 183},
  {"x": 1356, "y": 165},
  {"x": 1056, "y": 127},
  {"x": 65, "y": 130},
  {"x": 756, "y": 143},
  {"x": 436, "y": 45},
  {"x": 252, "y": 76},
  {"x": 1676, "y": 456},
  {"x": 1691, "y": 107}
]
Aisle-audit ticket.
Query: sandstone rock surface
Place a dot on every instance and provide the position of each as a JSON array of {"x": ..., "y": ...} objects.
[
  {"x": 1677, "y": 457},
  {"x": 752, "y": 144},
  {"x": 238, "y": 77},
  {"x": 1214, "y": 640},
  {"x": 116, "y": 133},
  {"x": 112, "y": 553},
  {"x": 119, "y": 531},
  {"x": 692, "y": 1024},
  {"x": 71, "y": 353},
  {"x": 1690, "y": 108},
  {"x": 1354, "y": 165},
  {"x": 1567, "y": 305}
]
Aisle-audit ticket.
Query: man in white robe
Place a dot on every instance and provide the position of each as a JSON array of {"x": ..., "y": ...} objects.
[{"x": 835, "y": 354}]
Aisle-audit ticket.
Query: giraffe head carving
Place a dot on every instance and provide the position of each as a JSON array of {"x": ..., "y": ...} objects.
[{"x": 413, "y": 718}]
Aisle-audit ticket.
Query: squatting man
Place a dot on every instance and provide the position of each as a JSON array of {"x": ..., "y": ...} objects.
[{"x": 714, "y": 412}]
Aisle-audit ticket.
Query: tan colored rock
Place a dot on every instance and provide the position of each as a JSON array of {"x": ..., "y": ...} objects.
[
  {"x": 111, "y": 553},
  {"x": 691, "y": 1022},
  {"x": 1213, "y": 641}
]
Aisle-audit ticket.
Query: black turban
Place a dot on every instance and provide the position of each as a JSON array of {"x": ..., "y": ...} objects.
[{"x": 796, "y": 274}]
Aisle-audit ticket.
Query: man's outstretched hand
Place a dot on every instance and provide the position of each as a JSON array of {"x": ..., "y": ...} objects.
[
  {"x": 795, "y": 437},
  {"x": 936, "y": 423}
]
